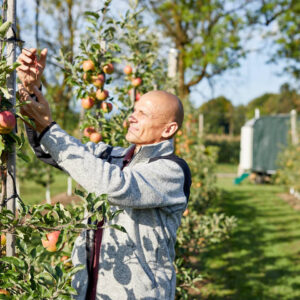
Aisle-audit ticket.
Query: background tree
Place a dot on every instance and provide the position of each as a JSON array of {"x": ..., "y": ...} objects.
[
  {"x": 207, "y": 35},
  {"x": 285, "y": 34},
  {"x": 218, "y": 115}
]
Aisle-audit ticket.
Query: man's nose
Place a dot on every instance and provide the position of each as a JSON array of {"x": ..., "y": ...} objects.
[{"x": 132, "y": 118}]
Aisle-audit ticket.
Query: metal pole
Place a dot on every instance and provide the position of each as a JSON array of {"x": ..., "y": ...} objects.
[
  {"x": 11, "y": 85},
  {"x": 294, "y": 127}
]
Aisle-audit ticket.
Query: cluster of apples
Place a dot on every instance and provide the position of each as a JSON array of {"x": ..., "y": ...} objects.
[
  {"x": 98, "y": 81},
  {"x": 135, "y": 81},
  {"x": 101, "y": 94},
  {"x": 7, "y": 122}
]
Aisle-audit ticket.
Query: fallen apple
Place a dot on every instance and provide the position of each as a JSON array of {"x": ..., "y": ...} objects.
[
  {"x": 7, "y": 122},
  {"x": 50, "y": 243}
]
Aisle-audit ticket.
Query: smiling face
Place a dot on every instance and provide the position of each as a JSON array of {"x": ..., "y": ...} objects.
[{"x": 153, "y": 118}]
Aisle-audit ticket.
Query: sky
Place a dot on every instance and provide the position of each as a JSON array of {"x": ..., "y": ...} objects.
[{"x": 252, "y": 79}]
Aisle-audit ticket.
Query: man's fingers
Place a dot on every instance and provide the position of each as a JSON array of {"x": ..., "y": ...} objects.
[
  {"x": 25, "y": 59},
  {"x": 24, "y": 95},
  {"x": 29, "y": 52},
  {"x": 23, "y": 68},
  {"x": 43, "y": 57},
  {"x": 39, "y": 95}
]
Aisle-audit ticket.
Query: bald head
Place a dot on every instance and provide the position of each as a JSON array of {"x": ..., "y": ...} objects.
[{"x": 167, "y": 105}]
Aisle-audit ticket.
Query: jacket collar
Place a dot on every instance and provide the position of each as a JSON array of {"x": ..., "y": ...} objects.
[{"x": 154, "y": 150}]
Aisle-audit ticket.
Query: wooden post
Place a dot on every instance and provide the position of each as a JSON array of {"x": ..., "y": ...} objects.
[
  {"x": 11, "y": 85},
  {"x": 256, "y": 113},
  {"x": 172, "y": 64},
  {"x": 294, "y": 135},
  {"x": 201, "y": 125}
]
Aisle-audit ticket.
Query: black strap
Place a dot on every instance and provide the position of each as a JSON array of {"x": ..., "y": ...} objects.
[{"x": 185, "y": 168}]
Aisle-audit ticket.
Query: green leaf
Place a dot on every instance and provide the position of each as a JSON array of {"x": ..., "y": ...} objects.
[
  {"x": 118, "y": 227},
  {"x": 5, "y": 92},
  {"x": 4, "y": 28},
  {"x": 23, "y": 156}
]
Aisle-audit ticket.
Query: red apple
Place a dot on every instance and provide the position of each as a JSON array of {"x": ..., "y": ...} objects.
[
  {"x": 106, "y": 107},
  {"x": 136, "y": 81},
  {"x": 7, "y": 122},
  {"x": 128, "y": 70},
  {"x": 125, "y": 124},
  {"x": 137, "y": 96},
  {"x": 98, "y": 80},
  {"x": 87, "y": 103},
  {"x": 3, "y": 239},
  {"x": 4, "y": 292},
  {"x": 50, "y": 243},
  {"x": 88, "y": 131},
  {"x": 186, "y": 213},
  {"x": 102, "y": 94},
  {"x": 88, "y": 65},
  {"x": 108, "y": 69},
  {"x": 95, "y": 137}
]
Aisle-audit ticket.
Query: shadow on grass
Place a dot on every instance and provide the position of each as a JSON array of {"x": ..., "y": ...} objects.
[{"x": 238, "y": 268}]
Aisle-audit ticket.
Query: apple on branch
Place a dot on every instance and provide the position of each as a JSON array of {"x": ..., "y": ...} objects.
[
  {"x": 128, "y": 70},
  {"x": 3, "y": 239},
  {"x": 136, "y": 81},
  {"x": 106, "y": 107},
  {"x": 50, "y": 243},
  {"x": 102, "y": 94},
  {"x": 87, "y": 103},
  {"x": 7, "y": 122},
  {"x": 108, "y": 69},
  {"x": 88, "y": 65},
  {"x": 88, "y": 131},
  {"x": 95, "y": 137},
  {"x": 98, "y": 81}
]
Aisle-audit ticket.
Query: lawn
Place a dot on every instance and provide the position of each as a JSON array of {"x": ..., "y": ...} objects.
[
  {"x": 262, "y": 259},
  {"x": 33, "y": 193}
]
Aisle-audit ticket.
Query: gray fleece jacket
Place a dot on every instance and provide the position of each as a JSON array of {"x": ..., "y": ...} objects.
[{"x": 137, "y": 264}]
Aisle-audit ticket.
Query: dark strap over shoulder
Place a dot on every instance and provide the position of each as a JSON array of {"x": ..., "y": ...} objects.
[
  {"x": 106, "y": 153},
  {"x": 185, "y": 168}
]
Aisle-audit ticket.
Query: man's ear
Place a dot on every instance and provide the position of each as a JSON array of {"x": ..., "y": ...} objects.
[{"x": 169, "y": 130}]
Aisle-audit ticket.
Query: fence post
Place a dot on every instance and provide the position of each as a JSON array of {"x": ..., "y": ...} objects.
[
  {"x": 11, "y": 85},
  {"x": 294, "y": 127},
  {"x": 201, "y": 125},
  {"x": 172, "y": 64}
]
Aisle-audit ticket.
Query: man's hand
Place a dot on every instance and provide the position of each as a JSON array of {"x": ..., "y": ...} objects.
[
  {"x": 39, "y": 111},
  {"x": 31, "y": 69}
]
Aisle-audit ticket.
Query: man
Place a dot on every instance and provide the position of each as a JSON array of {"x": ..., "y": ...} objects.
[{"x": 146, "y": 180}]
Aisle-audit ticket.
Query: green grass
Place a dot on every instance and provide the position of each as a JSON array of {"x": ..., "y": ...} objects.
[
  {"x": 32, "y": 193},
  {"x": 227, "y": 168},
  {"x": 262, "y": 259}
]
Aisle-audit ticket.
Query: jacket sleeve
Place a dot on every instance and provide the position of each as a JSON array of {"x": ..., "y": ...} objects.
[
  {"x": 42, "y": 154},
  {"x": 155, "y": 184}
]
